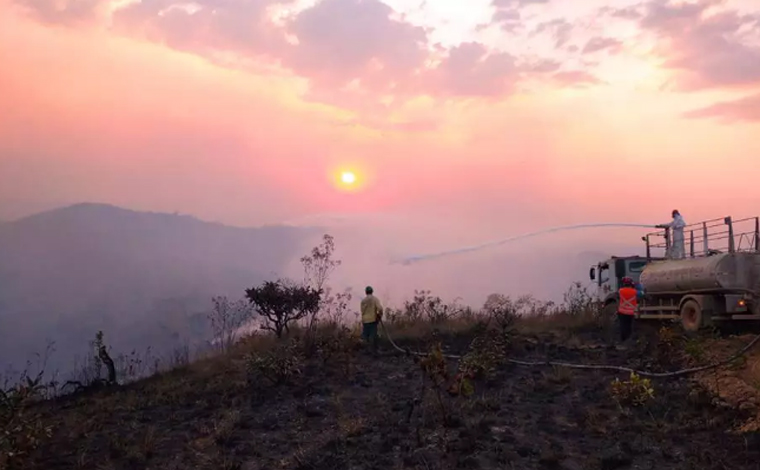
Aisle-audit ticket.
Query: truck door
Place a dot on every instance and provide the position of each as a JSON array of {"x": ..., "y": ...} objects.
[{"x": 604, "y": 280}]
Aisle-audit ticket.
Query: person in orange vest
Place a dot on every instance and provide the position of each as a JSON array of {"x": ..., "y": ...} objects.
[{"x": 627, "y": 307}]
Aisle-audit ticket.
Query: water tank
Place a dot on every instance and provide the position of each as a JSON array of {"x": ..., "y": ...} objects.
[{"x": 721, "y": 271}]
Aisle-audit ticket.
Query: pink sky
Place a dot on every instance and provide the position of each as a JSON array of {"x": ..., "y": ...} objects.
[{"x": 474, "y": 119}]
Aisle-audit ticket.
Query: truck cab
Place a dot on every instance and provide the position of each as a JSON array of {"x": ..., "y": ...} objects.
[{"x": 607, "y": 276}]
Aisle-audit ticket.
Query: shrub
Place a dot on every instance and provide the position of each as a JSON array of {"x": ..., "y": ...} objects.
[
  {"x": 336, "y": 305},
  {"x": 21, "y": 432},
  {"x": 695, "y": 349},
  {"x": 578, "y": 301},
  {"x": 277, "y": 365},
  {"x": 501, "y": 310},
  {"x": 505, "y": 312},
  {"x": 635, "y": 391},
  {"x": 435, "y": 370},
  {"x": 486, "y": 352},
  {"x": 281, "y": 303},
  {"x": 338, "y": 343},
  {"x": 424, "y": 306}
]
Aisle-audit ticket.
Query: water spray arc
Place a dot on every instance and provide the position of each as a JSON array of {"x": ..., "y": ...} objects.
[{"x": 418, "y": 258}]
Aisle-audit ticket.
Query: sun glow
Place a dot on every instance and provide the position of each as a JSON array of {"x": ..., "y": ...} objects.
[{"x": 348, "y": 178}]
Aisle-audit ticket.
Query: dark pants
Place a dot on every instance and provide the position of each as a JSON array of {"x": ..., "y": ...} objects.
[
  {"x": 626, "y": 326},
  {"x": 369, "y": 333}
]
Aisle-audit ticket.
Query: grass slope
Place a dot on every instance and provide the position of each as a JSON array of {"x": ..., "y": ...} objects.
[{"x": 340, "y": 407}]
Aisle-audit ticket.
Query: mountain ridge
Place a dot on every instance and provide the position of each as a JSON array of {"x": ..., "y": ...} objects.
[{"x": 144, "y": 278}]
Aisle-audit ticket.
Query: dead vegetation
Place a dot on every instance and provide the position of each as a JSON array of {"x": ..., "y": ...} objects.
[
  {"x": 312, "y": 397},
  {"x": 322, "y": 402}
]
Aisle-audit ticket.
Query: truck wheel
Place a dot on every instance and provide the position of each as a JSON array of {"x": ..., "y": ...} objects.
[{"x": 692, "y": 318}]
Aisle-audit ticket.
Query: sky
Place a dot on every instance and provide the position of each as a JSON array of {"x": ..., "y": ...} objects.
[{"x": 463, "y": 121}]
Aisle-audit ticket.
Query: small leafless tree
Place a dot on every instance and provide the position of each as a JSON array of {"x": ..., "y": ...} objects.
[
  {"x": 226, "y": 319},
  {"x": 320, "y": 264},
  {"x": 336, "y": 305}
]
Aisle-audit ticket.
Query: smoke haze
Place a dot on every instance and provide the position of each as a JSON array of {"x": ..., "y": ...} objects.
[
  {"x": 465, "y": 122},
  {"x": 147, "y": 279}
]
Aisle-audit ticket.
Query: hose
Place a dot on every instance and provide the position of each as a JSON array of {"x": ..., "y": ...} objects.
[
  {"x": 418, "y": 258},
  {"x": 677, "y": 373}
]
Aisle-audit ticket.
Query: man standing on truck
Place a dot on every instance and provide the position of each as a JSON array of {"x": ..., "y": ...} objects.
[
  {"x": 372, "y": 312},
  {"x": 677, "y": 249},
  {"x": 627, "y": 307}
]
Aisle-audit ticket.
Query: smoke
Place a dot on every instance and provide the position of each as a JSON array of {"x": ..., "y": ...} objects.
[{"x": 417, "y": 258}]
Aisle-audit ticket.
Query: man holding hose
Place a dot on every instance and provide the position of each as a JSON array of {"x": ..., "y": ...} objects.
[
  {"x": 372, "y": 313},
  {"x": 677, "y": 247}
]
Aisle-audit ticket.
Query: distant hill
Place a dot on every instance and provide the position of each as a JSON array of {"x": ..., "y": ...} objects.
[{"x": 145, "y": 279}]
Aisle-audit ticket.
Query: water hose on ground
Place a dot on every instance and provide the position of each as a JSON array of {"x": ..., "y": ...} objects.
[{"x": 677, "y": 373}]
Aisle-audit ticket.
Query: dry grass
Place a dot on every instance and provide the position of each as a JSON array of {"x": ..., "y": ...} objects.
[
  {"x": 737, "y": 385},
  {"x": 210, "y": 414}
]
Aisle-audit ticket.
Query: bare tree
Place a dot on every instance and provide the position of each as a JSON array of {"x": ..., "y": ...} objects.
[
  {"x": 318, "y": 266},
  {"x": 226, "y": 319},
  {"x": 320, "y": 263},
  {"x": 336, "y": 305}
]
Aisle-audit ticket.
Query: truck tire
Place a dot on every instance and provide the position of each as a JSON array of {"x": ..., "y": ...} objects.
[{"x": 692, "y": 317}]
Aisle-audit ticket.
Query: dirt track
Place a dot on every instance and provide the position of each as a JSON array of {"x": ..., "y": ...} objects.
[{"x": 366, "y": 417}]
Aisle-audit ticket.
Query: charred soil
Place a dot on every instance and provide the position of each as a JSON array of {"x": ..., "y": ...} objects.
[{"x": 352, "y": 410}]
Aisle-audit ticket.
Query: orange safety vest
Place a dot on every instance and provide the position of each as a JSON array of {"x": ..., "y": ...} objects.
[{"x": 628, "y": 301}]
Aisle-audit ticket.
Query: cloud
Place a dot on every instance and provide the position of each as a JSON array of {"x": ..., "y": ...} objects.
[
  {"x": 543, "y": 66},
  {"x": 508, "y": 19},
  {"x": 334, "y": 43},
  {"x": 575, "y": 78},
  {"x": 560, "y": 30},
  {"x": 707, "y": 48},
  {"x": 517, "y": 3},
  {"x": 351, "y": 51},
  {"x": 69, "y": 12},
  {"x": 356, "y": 54},
  {"x": 470, "y": 69},
  {"x": 507, "y": 13},
  {"x": 344, "y": 40},
  {"x": 599, "y": 44},
  {"x": 627, "y": 13},
  {"x": 209, "y": 28},
  {"x": 743, "y": 109}
]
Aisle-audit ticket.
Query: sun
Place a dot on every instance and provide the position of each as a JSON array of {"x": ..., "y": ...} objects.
[{"x": 348, "y": 178}]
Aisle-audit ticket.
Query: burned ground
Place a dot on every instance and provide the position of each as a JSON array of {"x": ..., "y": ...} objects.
[{"x": 352, "y": 410}]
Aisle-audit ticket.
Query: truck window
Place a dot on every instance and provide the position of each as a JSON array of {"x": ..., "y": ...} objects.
[
  {"x": 636, "y": 266},
  {"x": 604, "y": 274}
]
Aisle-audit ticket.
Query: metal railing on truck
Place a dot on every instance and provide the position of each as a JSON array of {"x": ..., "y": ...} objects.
[{"x": 708, "y": 237}]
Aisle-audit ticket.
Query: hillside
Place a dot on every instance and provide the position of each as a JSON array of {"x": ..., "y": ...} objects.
[
  {"x": 145, "y": 279},
  {"x": 328, "y": 405}
]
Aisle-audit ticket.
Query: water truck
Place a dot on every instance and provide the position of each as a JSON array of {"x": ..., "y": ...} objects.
[{"x": 717, "y": 279}]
